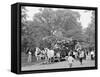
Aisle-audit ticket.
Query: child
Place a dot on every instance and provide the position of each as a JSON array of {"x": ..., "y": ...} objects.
[{"x": 70, "y": 60}]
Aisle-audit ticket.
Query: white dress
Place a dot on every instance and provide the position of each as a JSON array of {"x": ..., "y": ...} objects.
[{"x": 29, "y": 57}]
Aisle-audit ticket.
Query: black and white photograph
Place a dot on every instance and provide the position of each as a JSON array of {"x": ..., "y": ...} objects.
[{"x": 56, "y": 38}]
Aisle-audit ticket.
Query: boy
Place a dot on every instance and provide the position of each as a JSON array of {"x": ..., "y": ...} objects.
[{"x": 70, "y": 60}]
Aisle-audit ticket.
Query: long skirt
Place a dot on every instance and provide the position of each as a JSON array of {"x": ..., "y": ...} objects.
[{"x": 29, "y": 58}]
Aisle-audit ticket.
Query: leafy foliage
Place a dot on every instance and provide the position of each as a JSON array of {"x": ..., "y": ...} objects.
[
  {"x": 90, "y": 31},
  {"x": 51, "y": 23}
]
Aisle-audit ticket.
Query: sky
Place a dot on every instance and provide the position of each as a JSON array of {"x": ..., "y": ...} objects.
[{"x": 85, "y": 16}]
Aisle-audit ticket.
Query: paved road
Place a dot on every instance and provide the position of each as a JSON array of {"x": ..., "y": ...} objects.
[{"x": 57, "y": 65}]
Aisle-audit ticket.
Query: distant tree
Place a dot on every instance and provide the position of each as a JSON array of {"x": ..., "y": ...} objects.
[
  {"x": 23, "y": 13},
  {"x": 90, "y": 31}
]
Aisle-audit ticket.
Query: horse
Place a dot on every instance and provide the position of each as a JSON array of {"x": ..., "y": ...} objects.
[
  {"x": 57, "y": 56},
  {"x": 49, "y": 54},
  {"x": 43, "y": 55},
  {"x": 38, "y": 54}
]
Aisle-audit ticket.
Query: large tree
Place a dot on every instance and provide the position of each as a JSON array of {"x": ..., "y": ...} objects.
[
  {"x": 53, "y": 23},
  {"x": 64, "y": 21}
]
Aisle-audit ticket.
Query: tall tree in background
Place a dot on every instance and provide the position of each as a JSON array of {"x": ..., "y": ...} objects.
[
  {"x": 90, "y": 31},
  {"x": 59, "y": 20},
  {"x": 23, "y": 13},
  {"x": 26, "y": 39},
  {"x": 49, "y": 22}
]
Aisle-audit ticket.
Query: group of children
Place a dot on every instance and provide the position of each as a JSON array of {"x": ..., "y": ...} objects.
[{"x": 71, "y": 59}]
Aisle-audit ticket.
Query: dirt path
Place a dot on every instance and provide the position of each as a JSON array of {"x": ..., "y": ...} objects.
[{"x": 58, "y": 65}]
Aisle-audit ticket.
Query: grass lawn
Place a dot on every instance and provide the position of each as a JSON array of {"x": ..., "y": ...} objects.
[{"x": 24, "y": 60}]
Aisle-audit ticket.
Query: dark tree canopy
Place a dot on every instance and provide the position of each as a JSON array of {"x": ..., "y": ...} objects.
[{"x": 53, "y": 23}]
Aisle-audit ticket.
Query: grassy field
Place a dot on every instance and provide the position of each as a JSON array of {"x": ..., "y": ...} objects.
[{"x": 24, "y": 58}]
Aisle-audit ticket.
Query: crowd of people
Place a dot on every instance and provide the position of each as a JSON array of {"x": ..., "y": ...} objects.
[{"x": 69, "y": 51}]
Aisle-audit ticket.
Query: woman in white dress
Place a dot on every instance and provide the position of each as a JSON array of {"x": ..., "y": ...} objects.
[{"x": 29, "y": 57}]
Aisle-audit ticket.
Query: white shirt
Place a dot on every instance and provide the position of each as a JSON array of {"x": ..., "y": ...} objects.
[
  {"x": 82, "y": 54},
  {"x": 70, "y": 59},
  {"x": 92, "y": 53},
  {"x": 29, "y": 53}
]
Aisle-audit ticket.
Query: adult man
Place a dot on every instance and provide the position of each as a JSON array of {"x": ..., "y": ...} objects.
[
  {"x": 81, "y": 56},
  {"x": 92, "y": 55}
]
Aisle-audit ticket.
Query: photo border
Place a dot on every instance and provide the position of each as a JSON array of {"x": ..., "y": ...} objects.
[{"x": 53, "y": 6}]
